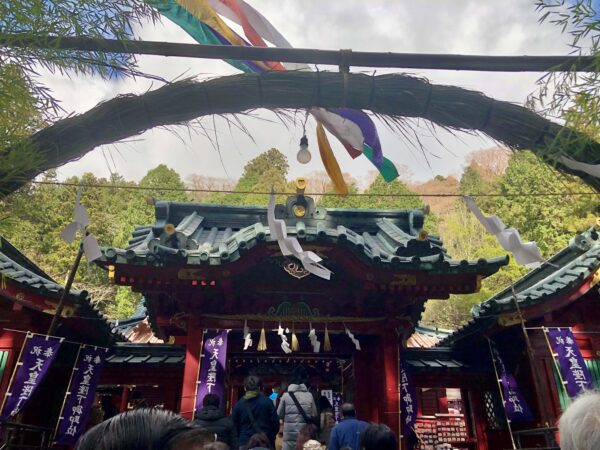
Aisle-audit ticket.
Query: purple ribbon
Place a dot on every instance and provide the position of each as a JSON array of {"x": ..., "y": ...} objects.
[
  {"x": 408, "y": 401},
  {"x": 515, "y": 405},
  {"x": 80, "y": 398},
  {"x": 212, "y": 368},
  {"x": 37, "y": 356},
  {"x": 368, "y": 129},
  {"x": 575, "y": 373}
]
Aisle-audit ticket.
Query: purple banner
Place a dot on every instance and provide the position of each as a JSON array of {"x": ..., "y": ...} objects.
[
  {"x": 37, "y": 356},
  {"x": 212, "y": 367},
  {"x": 408, "y": 401},
  {"x": 575, "y": 373},
  {"x": 337, "y": 406},
  {"x": 515, "y": 405},
  {"x": 81, "y": 395}
]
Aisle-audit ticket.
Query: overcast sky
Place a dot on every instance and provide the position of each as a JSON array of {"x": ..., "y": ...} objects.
[{"x": 485, "y": 27}]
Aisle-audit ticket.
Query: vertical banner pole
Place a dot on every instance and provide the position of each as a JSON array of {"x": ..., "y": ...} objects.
[
  {"x": 512, "y": 439},
  {"x": 67, "y": 393},
  {"x": 12, "y": 377},
  {"x": 198, "y": 374},
  {"x": 399, "y": 392},
  {"x": 534, "y": 371},
  {"x": 556, "y": 366}
]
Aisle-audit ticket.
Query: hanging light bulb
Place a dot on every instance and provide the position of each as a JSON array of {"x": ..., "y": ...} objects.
[{"x": 303, "y": 155}]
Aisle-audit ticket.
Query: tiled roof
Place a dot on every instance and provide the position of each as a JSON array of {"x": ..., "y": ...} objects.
[
  {"x": 563, "y": 272},
  {"x": 147, "y": 354},
  {"x": 16, "y": 267},
  {"x": 198, "y": 234},
  {"x": 426, "y": 337},
  {"x": 432, "y": 358}
]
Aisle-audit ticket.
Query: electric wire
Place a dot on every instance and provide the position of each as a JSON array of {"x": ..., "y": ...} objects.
[{"x": 327, "y": 194}]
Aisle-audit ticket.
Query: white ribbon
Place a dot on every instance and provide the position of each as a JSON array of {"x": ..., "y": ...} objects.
[
  {"x": 353, "y": 339},
  {"x": 290, "y": 246},
  {"x": 247, "y": 336},
  {"x": 314, "y": 341},
  {"x": 525, "y": 253},
  {"x": 590, "y": 169},
  {"x": 81, "y": 219},
  {"x": 285, "y": 346}
]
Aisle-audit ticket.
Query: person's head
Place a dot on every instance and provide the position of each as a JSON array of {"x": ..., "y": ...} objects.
[
  {"x": 579, "y": 426},
  {"x": 144, "y": 429},
  {"x": 378, "y": 437},
  {"x": 275, "y": 388},
  {"x": 211, "y": 400},
  {"x": 324, "y": 403},
  {"x": 307, "y": 432},
  {"x": 348, "y": 410},
  {"x": 216, "y": 446},
  {"x": 299, "y": 375},
  {"x": 252, "y": 383},
  {"x": 258, "y": 440}
]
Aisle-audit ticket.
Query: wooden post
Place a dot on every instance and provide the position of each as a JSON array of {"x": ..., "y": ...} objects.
[
  {"x": 193, "y": 350},
  {"x": 534, "y": 372},
  {"x": 124, "y": 398},
  {"x": 391, "y": 380},
  {"x": 65, "y": 292}
]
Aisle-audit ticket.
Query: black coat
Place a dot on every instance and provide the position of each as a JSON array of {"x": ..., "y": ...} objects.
[
  {"x": 212, "y": 419},
  {"x": 264, "y": 414}
]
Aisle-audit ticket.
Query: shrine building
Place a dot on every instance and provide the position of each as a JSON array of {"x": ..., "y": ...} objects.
[{"x": 210, "y": 267}]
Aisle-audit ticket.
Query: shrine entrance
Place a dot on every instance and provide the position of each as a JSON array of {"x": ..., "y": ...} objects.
[{"x": 331, "y": 375}]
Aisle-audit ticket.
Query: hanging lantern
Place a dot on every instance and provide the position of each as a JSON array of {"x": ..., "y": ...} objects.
[
  {"x": 262, "y": 341},
  {"x": 326, "y": 340},
  {"x": 303, "y": 155},
  {"x": 295, "y": 343}
]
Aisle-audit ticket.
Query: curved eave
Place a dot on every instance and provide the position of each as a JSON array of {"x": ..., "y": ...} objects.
[{"x": 373, "y": 250}]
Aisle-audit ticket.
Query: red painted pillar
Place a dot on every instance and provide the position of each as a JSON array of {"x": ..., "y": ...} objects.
[
  {"x": 390, "y": 405},
  {"x": 191, "y": 368},
  {"x": 11, "y": 342}
]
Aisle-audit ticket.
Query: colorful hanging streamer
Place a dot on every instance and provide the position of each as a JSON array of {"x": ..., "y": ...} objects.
[
  {"x": 331, "y": 165},
  {"x": 200, "y": 19}
]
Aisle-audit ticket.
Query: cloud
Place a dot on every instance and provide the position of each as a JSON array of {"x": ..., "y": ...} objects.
[{"x": 428, "y": 26}]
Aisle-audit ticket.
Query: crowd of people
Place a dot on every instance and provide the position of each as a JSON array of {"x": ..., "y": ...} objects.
[{"x": 291, "y": 420}]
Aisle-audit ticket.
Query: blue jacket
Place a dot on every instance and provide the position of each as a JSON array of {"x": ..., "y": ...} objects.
[
  {"x": 346, "y": 434},
  {"x": 264, "y": 414}
]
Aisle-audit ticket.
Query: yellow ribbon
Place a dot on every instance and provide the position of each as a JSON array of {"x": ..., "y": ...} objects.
[
  {"x": 331, "y": 165},
  {"x": 202, "y": 11}
]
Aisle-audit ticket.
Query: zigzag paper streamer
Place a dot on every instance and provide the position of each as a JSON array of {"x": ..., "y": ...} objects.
[
  {"x": 314, "y": 341},
  {"x": 525, "y": 253},
  {"x": 247, "y": 336},
  {"x": 81, "y": 219},
  {"x": 285, "y": 346},
  {"x": 291, "y": 246},
  {"x": 353, "y": 339}
]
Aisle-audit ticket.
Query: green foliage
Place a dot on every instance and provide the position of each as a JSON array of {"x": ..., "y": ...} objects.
[
  {"x": 549, "y": 220},
  {"x": 124, "y": 304},
  {"x": 264, "y": 173},
  {"x": 558, "y": 90},
  {"x": 19, "y": 118},
  {"x": 64, "y": 18}
]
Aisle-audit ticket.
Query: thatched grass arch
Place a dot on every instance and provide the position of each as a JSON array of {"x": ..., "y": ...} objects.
[{"x": 393, "y": 95}]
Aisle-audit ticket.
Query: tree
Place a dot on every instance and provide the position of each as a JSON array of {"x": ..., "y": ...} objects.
[
  {"x": 262, "y": 174},
  {"x": 64, "y": 18},
  {"x": 549, "y": 220},
  {"x": 558, "y": 90}
]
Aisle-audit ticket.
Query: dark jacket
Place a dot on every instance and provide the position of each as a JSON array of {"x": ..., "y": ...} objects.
[
  {"x": 213, "y": 419},
  {"x": 263, "y": 411},
  {"x": 346, "y": 434}
]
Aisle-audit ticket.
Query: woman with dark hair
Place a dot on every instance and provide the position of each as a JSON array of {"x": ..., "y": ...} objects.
[
  {"x": 259, "y": 441},
  {"x": 378, "y": 437},
  {"x": 144, "y": 429},
  {"x": 297, "y": 408}
]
